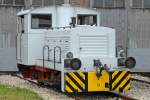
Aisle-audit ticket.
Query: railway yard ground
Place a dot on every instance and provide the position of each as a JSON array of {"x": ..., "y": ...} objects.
[{"x": 140, "y": 89}]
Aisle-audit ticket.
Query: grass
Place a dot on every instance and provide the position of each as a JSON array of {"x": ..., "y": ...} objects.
[{"x": 15, "y": 93}]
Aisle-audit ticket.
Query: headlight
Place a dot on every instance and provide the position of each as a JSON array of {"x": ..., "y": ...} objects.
[
  {"x": 130, "y": 62},
  {"x": 67, "y": 63},
  {"x": 122, "y": 53},
  {"x": 69, "y": 55},
  {"x": 75, "y": 64},
  {"x": 121, "y": 61}
]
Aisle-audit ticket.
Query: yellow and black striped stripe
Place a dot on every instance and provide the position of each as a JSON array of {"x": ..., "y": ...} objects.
[
  {"x": 75, "y": 82},
  {"x": 120, "y": 80}
]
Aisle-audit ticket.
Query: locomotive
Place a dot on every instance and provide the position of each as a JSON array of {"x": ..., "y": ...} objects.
[{"x": 67, "y": 44}]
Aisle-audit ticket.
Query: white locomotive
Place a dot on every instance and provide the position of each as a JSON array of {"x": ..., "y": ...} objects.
[{"x": 66, "y": 43}]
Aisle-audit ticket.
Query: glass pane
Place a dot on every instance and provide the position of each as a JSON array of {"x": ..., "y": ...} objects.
[
  {"x": 48, "y": 2},
  {"x": 120, "y": 3},
  {"x": 59, "y": 2},
  {"x": 87, "y": 20},
  {"x": 19, "y": 2},
  {"x": 146, "y": 3},
  {"x": 37, "y": 2},
  {"x": 41, "y": 21},
  {"x": 85, "y": 3},
  {"x": 74, "y": 2},
  {"x": 21, "y": 24},
  {"x": 137, "y": 3},
  {"x": 8, "y": 1},
  {"x": 109, "y": 3},
  {"x": 0, "y": 1},
  {"x": 98, "y": 3}
]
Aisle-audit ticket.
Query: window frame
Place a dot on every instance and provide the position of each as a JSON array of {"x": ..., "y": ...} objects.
[
  {"x": 107, "y": 7},
  {"x": 19, "y": 4},
  {"x": 41, "y": 14},
  {"x": 38, "y": 5},
  {"x": 136, "y": 7},
  {"x": 13, "y": 3},
  {"x": 142, "y": 6}
]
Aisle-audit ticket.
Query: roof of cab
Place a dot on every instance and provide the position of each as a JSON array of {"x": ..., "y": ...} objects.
[{"x": 47, "y": 9}]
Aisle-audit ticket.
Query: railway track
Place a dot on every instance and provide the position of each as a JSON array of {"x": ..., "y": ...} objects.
[
  {"x": 139, "y": 80},
  {"x": 81, "y": 97},
  {"x": 122, "y": 96},
  {"x": 115, "y": 95},
  {"x": 53, "y": 86}
]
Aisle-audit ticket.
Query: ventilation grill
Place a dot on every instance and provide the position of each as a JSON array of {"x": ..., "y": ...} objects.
[{"x": 94, "y": 45}]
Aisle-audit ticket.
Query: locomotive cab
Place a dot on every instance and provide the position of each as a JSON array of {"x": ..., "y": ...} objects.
[{"x": 68, "y": 43}]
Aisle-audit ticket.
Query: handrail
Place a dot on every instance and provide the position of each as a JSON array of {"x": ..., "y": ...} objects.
[
  {"x": 17, "y": 46},
  {"x": 55, "y": 55},
  {"x": 45, "y": 46},
  {"x": 20, "y": 46}
]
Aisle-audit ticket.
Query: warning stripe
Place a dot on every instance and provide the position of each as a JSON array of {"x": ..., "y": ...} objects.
[
  {"x": 121, "y": 80},
  {"x": 75, "y": 82},
  {"x": 115, "y": 73},
  {"x": 127, "y": 85},
  {"x": 116, "y": 76},
  {"x": 68, "y": 87},
  {"x": 79, "y": 81},
  {"x": 82, "y": 75},
  {"x": 118, "y": 80},
  {"x": 125, "y": 81},
  {"x": 72, "y": 84}
]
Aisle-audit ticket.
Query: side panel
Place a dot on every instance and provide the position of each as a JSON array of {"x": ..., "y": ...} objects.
[
  {"x": 24, "y": 49},
  {"x": 142, "y": 56},
  {"x": 7, "y": 59}
]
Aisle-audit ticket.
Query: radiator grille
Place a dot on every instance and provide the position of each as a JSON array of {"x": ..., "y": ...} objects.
[{"x": 94, "y": 45}]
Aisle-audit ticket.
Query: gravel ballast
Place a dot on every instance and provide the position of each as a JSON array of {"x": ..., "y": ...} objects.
[
  {"x": 139, "y": 90},
  {"x": 46, "y": 94}
]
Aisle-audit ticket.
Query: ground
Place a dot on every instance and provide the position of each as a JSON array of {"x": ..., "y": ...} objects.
[
  {"x": 15, "y": 93},
  {"x": 138, "y": 90},
  {"x": 46, "y": 94}
]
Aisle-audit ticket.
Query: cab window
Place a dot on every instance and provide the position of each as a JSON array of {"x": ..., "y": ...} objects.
[
  {"x": 41, "y": 21},
  {"x": 20, "y": 24},
  {"x": 87, "y": 20}
]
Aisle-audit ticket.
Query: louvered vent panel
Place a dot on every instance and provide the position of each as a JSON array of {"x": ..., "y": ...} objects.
[{"x": 93, "y": 45}]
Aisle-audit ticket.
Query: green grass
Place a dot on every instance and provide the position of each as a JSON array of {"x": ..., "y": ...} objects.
[{"x": 15, "y": 93}]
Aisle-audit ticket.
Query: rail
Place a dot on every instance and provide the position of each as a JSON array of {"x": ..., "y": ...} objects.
[
  {"x": 122, "y": 96},
  {"x": 109, "y": 94},
  {"x": 80, "y": 96},
  {"x": 139, "y": 80}
]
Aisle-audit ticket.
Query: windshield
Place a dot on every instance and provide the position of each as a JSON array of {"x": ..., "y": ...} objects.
[
  {"x": 21, "y": 24},
  {"x": 41, "y": 21},
  {"x": 87, "y": 20}
]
